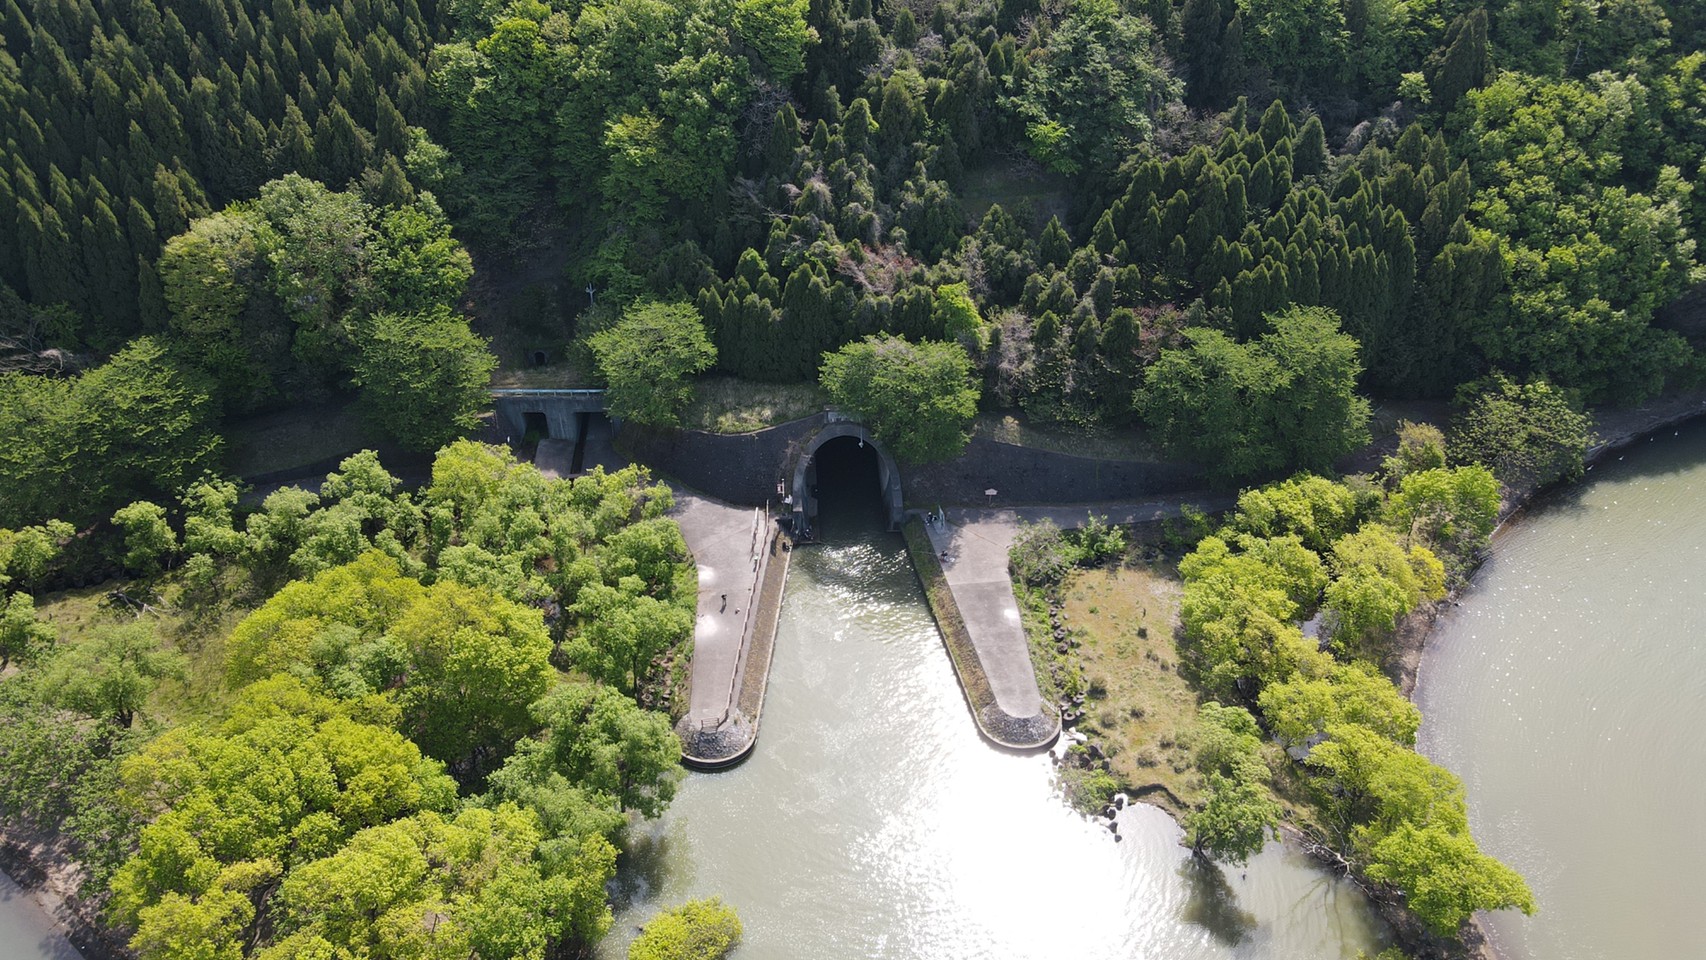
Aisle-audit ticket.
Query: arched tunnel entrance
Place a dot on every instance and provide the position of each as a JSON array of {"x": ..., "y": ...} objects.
[
  {"x": 847, "y": 482},
  {"x": 843, "y": 475}
]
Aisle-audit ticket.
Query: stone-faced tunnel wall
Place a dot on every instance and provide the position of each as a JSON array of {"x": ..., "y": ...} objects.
[{"x": 888, "y": 472}]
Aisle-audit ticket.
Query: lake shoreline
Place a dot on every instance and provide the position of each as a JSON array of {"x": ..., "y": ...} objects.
[
  {"x": 44, "y": 871},
  {"x": 1614, "y": 431}
]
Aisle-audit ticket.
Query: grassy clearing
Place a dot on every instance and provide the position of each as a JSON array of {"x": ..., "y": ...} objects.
[
  {"x": 298, "y": 437},
  {"x": 1139, "y": 709},
  {"x": 1016, "y": 186},
  {"x": 1130, "y": 443},
  {"x": 730, "y": 405},
  {"x": 196, "y": 631},
  {"x": 1137, "y": 706}
]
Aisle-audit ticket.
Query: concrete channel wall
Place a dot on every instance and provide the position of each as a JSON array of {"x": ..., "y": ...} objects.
[{"x": 964, "y": 574}]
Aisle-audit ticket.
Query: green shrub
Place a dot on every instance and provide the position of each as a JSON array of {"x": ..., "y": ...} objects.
[{"x": 696, "y": 930}]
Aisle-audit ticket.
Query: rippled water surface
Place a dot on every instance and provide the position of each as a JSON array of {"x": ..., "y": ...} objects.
[
  {"x": 872, "y": 822},
  {"x": 1569, "y": 692}
]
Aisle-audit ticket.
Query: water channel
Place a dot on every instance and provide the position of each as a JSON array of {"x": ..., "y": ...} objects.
[
  {"x": 1569, "y": 693},
  {"x": 26, "y": 931},
  {"x": 873, "y": 822}
]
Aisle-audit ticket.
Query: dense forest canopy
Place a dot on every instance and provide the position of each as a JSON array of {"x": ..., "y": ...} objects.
[
  {"x": 1471, "y": 187},
  {"x": 1231, "y": 223}
]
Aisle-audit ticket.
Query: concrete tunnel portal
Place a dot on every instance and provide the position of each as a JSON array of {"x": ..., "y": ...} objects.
[{"x": 839, "y": 459}]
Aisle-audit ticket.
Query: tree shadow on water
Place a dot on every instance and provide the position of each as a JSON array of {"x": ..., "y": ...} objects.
[
  {"x": 642, "y": 868},
  {"x": 1212, "y": 904}
]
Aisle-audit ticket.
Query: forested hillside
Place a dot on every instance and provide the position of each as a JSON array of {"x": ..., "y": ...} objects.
[
  {"x": 125, "y": 121},
  {"x": 1469, "y": 187},
  {"x": 1481, "y": 163}
]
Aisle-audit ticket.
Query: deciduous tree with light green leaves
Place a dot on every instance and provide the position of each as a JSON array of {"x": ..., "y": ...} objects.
[
  {"x": 109, "y": 673},
  {"x": 696, "y": 930},
  {"x": 604, "y": 742},
  {"x": 289, "y": 777},
  {"x": 22, "y": 635},
  {"x": 424, "y": 376},
  {"x": 956, "y": 313},
  {"x": 1412, "y": 828},
  {"x": 1376, "y": 580},
  {"x": 622, "y": 630},
  {"x": 149, "y": 540},
  {"x": 777, "y": 29},
  {"x": 433, "y": 885},
  {"x": 1316, "y": 510},
  {"x": 646, "y": 358},
  {"x": 1445, "y": 876},
  {"x": 1421, "y": 446},
  {"x": 461, "y": 663},
  {"x": 25, "y": 553},
  {"x": 1243, "y": 409},
  {"x": 1240, "y": 812},
  {"x": 80, "y": 448},
  {"x": 1090, "y": 98},
  {"x": 1305, "y": 706},
  {"x": 1454, "y": 509},
  {"x": 917, "y": 398}
]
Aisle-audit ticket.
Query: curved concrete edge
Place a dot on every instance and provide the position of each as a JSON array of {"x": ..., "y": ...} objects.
[
  {"x": 1030, "y": 734},
  {"x": 732, "y": 741},
  {"x": 718, "y": 749},
  {"x": 835, "y": 427},
  {"x": 1023, "y": 734}
]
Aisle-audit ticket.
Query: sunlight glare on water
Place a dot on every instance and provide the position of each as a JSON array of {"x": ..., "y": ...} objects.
[{"x": 873, "y": 822}]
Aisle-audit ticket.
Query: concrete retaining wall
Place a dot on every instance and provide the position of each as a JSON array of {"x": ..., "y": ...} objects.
[
  {"x": 742, "y": 468},
  {"x": 1022, "y": 475},
  {"x": 559, "y": 408},
  {"x": 746, "y": 468}
]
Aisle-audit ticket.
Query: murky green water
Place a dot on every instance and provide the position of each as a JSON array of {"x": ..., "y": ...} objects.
[
  {"x": 26, "y": 933},
  {"x": 872, "y": 822},
  {"x": 1569, "y": 692}
]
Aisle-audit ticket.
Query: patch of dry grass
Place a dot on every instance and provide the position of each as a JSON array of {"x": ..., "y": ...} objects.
[
  {"x": 1130, "y": 443},
  {"x": 198, "y": 632},
  {"x": 731, "y": 405},
  {"x": 1137, "y": 705}
]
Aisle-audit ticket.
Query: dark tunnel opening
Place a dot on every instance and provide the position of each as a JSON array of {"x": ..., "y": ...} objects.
[{"x": 849, "y": 484}]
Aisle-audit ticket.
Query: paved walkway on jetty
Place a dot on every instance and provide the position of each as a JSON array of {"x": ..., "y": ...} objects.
[
  {"x": 972, "y": 548},
  {"x": 729, "y": 545}
]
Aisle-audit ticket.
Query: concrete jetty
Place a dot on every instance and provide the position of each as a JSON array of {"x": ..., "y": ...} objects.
[
  {"x": 742, "y": 559},
  {"x": 970, "y": 547}
]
